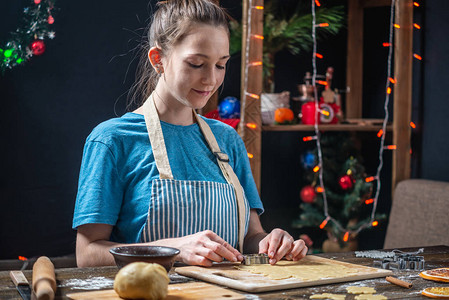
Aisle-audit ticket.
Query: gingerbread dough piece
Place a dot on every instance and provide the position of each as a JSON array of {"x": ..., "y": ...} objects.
[
  {"x": 307, "y": 271},
  {"x": 370, "y": 297},
  {"x": 360, "y": 290},
  {"x": 141, "y": 280},
  {"x": 328, "y": 296}
]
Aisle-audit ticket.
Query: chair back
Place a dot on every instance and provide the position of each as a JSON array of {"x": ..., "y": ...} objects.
[{"x": 419, "y": 214}]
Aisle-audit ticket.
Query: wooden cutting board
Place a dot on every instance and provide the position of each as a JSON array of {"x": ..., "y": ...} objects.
[
  {"x": 228, "y": 275},
  {"x": 180, "y": 291}
]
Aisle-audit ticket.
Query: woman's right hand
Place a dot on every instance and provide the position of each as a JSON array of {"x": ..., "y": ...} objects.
[{"x": 205, "y": 247}]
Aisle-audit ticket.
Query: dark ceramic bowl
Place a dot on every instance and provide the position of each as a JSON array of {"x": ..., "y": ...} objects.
[{"x": 165, "y": 256}]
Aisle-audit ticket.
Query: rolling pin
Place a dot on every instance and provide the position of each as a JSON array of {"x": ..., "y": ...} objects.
[{"x": 44, "y": 280}]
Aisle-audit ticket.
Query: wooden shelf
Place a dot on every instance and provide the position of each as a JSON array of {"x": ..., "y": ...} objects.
[{"x": 325, "y": 127}]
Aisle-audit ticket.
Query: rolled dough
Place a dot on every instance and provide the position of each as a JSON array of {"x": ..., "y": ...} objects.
[
  {"x": 328, "y": 296},
  {"x": 370, "y": 297},
  {"x": 360, "y": 290},
  {"x": 306, "y": 271}
]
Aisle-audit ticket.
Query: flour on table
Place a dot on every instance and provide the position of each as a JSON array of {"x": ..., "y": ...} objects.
[
  {"x": 374, "y": 254},
  {"x": 92, "y": 283},
  {"x": 305, "y": 270},
  {"x": 370, "y": 297},
  {"x": 360, "y": 290},
  {"x": 328, "y": 296}
]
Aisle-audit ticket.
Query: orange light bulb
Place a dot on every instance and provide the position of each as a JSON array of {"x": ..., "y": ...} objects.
[
  {"x": 380, "y": 133},
  {"x": 346, "y": 236},
  {"x": 370, "y": 179},
  {"x": 324, "y": 223},
  {"x": 307, "y": 138},
  {"x": 369, "y": 201},
  {"x": 253, "y": 96}
]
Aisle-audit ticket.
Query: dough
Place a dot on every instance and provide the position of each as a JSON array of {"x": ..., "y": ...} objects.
[
  {"x": 328, "y": 296},
  {"x": 360, "y": 290},
  {"x": 304, "y": 270},
  {"x": 141, "y": 280},
  {"x": 370, "y": 297}
]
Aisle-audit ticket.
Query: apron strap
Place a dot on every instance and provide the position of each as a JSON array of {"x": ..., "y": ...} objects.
[
  {"x": 228, "y": 173},
  {"x": 156, "y": 138}
]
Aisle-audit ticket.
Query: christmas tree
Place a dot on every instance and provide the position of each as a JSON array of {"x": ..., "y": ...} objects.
[{"x": 347, "y": 191}]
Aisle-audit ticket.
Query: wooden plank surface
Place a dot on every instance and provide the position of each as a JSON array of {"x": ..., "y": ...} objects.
[
  {"x": 250, "y": 107},
  {"x": 354, "y": 60},
  {"x": 190, "y": 290},
  {"x": 228, "y": 275},
  {"x": 402, "y": 91},
  {"x": 435, "y": 257}
]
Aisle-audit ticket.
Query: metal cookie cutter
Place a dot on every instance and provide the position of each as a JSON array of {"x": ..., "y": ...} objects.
[
  {"x": 255, "y": 259},
  {"x": 403, "y": 261}
]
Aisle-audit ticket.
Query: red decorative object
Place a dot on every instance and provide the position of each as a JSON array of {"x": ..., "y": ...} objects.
[
  {"x": 50, "y": 20},
  {"x": 308, "y": 113},
  {"x": 308, "y": 194},
  {"x": 234, "y": 123},
  {"x": 38, "y": 47},
  {"x": 346, "y": 182},
  {"x": 37, "y": 1}
]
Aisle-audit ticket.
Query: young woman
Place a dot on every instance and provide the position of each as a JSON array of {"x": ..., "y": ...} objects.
[{"x": 162, "y": 175}]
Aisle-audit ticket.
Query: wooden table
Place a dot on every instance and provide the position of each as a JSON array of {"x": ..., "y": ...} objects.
[{"x": 435, "y": 257}]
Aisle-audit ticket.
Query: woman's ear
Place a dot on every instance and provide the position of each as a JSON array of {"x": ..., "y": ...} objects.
[{"x": 155, "y": 57}]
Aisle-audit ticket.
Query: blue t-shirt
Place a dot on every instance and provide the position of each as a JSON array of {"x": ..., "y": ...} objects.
[{"x": 118, "y": 168}]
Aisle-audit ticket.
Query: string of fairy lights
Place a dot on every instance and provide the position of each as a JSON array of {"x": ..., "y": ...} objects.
[
  {"x": 321, "y": 188},
  {"x": 381, "y": 134}
]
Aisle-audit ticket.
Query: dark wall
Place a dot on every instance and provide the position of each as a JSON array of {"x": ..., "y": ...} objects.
[
  {"x": 435, "y": 94},
  {"x": 50, "y": 105}
]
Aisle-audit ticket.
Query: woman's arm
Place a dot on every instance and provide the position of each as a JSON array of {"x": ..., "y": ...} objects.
[
  {"x": 277, "y": 244},
  {"x": 202, "y": 248}
]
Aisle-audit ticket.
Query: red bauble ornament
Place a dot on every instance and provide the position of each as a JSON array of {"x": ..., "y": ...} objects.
[
  {"x": 37, "y": 1},
  {"x": 38, "y": 47},
  {"x": 308, "y": 194},
  {"x": 50, "y": 19},
  {"x": 346, "y": 182}
]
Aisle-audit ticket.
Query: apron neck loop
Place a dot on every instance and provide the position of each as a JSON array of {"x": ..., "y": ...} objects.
[{"x": 156, "y": 138}]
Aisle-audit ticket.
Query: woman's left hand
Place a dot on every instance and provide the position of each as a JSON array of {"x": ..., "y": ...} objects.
[{"x": 279, "y": 243}]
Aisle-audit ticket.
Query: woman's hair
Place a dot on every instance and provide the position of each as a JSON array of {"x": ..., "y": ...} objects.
[{"x": 170, "y": 23}]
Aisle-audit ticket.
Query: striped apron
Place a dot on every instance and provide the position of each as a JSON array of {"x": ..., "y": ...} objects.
[{"x": 182, "y": 207}]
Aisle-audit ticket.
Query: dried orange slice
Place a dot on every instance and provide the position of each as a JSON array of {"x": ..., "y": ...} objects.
[
  {"x": 440, "y": 274},
  {"x": 436, "y": 292}
]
